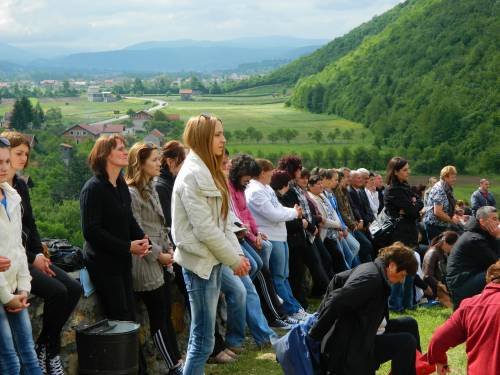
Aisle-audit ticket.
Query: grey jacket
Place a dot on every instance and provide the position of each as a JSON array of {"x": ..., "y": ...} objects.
[
  {"x": 202, "y": 237},
  {"x": 147, "y": 272}
]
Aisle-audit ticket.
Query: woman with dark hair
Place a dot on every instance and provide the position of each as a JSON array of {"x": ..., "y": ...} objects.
[
  {"x": 243, "y": 169},
  {"x": 271, "y": 216},
  {"x": 111, "y": 232},
  {"x": 400, "y": 203},
  {"x": 147, "y": 272},
  {"x": 302, "y": 234},
  {"x": 60, "y": 293},
  {"x": 172, "y": 157},
  {"x": 434, "y": 263}
]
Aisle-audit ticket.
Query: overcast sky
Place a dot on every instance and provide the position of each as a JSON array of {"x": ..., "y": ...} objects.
[{"x": 112, "y": 24}]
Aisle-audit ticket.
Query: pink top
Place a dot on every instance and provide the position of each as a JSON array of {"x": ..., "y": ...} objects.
[{"x": 241, "y": 210}]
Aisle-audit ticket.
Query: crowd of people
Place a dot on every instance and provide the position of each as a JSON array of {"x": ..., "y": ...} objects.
[{"x": 240, "y": 235}]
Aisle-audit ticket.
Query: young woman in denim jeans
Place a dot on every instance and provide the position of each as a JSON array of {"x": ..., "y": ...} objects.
[
  {"x": 202, "y": 232},
  {"x": 17, "y": 348}
]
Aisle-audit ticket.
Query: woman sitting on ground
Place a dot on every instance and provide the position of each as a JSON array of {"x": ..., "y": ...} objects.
[
  {"x": 147, "y": 272},
  {"x": 434, "y": 263},
  {"x": 60, "y": 293}
]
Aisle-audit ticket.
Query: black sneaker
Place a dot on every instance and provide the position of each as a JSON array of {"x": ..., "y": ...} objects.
[
  {"x": 41, "y": 354},
  {"x": 278, "y": 323},
  {"x": 54, "y": 366}
]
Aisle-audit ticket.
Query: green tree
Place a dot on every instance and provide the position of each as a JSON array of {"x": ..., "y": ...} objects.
[
  {"x": 273, "y": 137},
  {"x": 38, "y": 116},
  {"x": 240, "y": 135},
  {"x": 331, "y": 157},
  {"x": 290, "y": 134},
  {"x": 159, "y": 115},
  {"x": 331, "y": 136},
  {"x": 317, "y": 136},
  {"x": 130, "y": 112},
  {"x": 53, "y": 117},
  {"x": 138, "y": 87},
  {"x": 317, "y": 157},
  {"x": 258, "y": 136},
  {"x": 346, "y": 155}
]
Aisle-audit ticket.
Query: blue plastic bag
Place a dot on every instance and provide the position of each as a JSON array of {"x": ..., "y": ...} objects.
[{"x": 296, "y": 352}]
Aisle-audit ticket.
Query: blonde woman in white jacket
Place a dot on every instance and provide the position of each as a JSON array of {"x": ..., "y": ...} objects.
[
  {"x": 17, "y": 348},
  {"x": 202, "y": 233}
]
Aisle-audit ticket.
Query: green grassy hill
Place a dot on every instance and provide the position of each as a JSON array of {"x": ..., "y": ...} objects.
[
  {"x": 318, "y": 60},
  {"x": 427, "y": 84}
]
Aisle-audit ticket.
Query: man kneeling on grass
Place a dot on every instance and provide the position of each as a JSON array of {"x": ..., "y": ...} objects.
[{"x": 353, "y": 324}]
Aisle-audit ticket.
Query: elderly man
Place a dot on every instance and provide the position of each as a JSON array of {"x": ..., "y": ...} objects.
[
  {"x": 482, "y": 197},
  {"x": 476, "y": 250}
]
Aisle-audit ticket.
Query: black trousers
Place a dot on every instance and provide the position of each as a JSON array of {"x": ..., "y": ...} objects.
[
  {"x": 117, "y": 298},
  {"x": 338, "y": 260},
  {"x": 366, "y": 250},
  {"x": 325, "y": 256},
  {"x": 314, "y": 262},
  {"x": 158, "y": 304},
  {"x": 60, "y": 296},
  {"x": 297, "y": 270},
  {"x": 271, "y": 306},
  {"x": 398, "y": 344}
]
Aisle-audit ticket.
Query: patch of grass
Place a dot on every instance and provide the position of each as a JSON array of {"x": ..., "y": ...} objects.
[
  {"x": 259, "y": 362},
  {"x": 80, "y": 110}
]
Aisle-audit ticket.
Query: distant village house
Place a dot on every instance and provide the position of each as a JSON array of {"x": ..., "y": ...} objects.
[
  {"x": 139, "y": 118},
  {"x": 94, "y": 94},
  {"x": 5, "y": 120},
  {"x": 186, "y": 94},
  {"x": 156, "y": 137},
  {"x": 82, "y": 132}
]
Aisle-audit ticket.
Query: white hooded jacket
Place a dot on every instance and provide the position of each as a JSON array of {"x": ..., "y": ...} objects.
[{"x": 17, "y": 277}]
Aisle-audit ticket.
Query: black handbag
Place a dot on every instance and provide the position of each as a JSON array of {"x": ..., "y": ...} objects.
[
  {"x": 382, "y": 228},
  {"x": 64, "y": 255}
]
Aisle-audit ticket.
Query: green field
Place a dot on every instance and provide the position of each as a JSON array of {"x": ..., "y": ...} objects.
[
  {"x": 257, "y": 362},
  {"x": 79, "y": 110},
  {"x": 268, "y": 114}
]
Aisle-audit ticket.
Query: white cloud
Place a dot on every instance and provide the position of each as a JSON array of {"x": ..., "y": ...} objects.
[{"x": 106, "y": 24}]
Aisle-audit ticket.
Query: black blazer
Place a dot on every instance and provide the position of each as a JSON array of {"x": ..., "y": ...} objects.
[
  {"x": 348, "y": 319},
  {"x": 31, "y": 237},
  {"x": 164, "y": 186},
  {"x": 360, "y": 206},
  {"x": 108, "y": 224},
  {"x": 398, "y": 196}
]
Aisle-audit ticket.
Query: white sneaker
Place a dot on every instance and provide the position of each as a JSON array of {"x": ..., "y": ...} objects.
[
  {"x": 54, "y": 366},
  {"x": 300, "y": 315}
]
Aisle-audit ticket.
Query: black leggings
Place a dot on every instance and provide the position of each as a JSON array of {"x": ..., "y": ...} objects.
[
  {"x": 60, "y": 296},
  {"x": 398, "y": 344},
  {"x": 271, "y": 306},
  {"x": 158, "y": 302}
]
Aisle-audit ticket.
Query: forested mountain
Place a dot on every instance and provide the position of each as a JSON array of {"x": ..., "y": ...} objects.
[{"x": 427, "y": 83}]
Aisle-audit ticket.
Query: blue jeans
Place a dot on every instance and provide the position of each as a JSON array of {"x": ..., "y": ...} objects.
[
  {"x": 254, "y": 258},
  {"x": 17, "y": 349},
  {"x": 203, "y": 297},
  {"x": 265, "y": 252},
  {"x": 243, "y": 302},
  {"x": 354, "y": 246},
  {"x": 278, "y": 264},
  {"x": 401, "y": 296},
  {"x": 236, "y": 296}
]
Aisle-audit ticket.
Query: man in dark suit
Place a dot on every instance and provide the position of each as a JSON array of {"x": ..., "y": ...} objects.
[{"x": 359, "y": 199}]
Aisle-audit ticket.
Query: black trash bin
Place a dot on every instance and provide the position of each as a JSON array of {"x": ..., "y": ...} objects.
[{"x": 109, "y": 347}]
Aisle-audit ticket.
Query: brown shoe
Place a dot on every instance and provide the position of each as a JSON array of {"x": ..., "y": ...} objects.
[{"x": 221, "y": 358}]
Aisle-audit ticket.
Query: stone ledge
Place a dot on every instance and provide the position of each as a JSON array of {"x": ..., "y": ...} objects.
[{"x": 89, "y": 311}]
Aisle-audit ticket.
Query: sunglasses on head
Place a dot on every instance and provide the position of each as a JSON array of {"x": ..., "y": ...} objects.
[
  {"x": 208, "y": 116},
  {"x": 4, "y": 142}
]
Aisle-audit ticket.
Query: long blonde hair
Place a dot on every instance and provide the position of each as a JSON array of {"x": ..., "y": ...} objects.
[
  {"x": 137, "y": 156},
  {"x": 198, "y": 136}
]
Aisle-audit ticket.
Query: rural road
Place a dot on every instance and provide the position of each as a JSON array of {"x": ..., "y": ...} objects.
[{"x": 159, "y": 105}]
